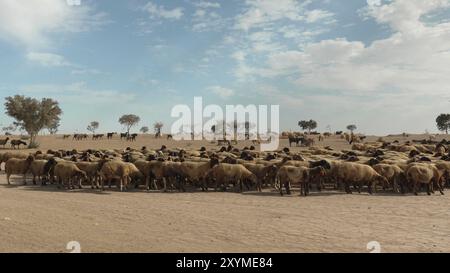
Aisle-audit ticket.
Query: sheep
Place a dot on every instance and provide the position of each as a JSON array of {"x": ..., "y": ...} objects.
[
  {"x": 394, "y": 174},
  {"x": 262, "y": 172},
  {"x": 350, "y": 172},
  {"x": 225, "y": 173},
  {"x": 420, "y": 173},
  {"x": 92, "y": 170},
  {"x": 8, "y": 155},
  {"x": 292, "y": 174},
  {"x": 119, "y": 170},
  {"x": 18, "y": 166},
  {"x": 159, "y": 171},
  {"x": 67, "y": 173},
  {"x": 191, "y": 171},
  {"x": 444, "y": 167},
  {"x": 17, "y": 142},
  {"x": 3, "y": 142},
  {"x": 37, "y": 169}
]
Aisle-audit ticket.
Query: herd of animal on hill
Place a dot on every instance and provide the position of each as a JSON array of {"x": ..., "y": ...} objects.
[{"x": 394, "y": 167}]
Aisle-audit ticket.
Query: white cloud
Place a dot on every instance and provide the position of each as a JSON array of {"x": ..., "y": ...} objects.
[
  {"x": 207, "y": 20},
  {"x": 86, "y": 71},
  {"x": 32, "y": 22},
  {"x": 47, "y": 59},
  {"x": 317, "y": 15},
  {"x": 403, "y": 15},
  {"x": 206, "y": 4},
  {"x": 77, "y": 92},
  {"x": 414, "y": 59},
  {"x": 261, "y": 13},
  {"x": 221, "y": 91},
  {"x": 157, "y": 11}
]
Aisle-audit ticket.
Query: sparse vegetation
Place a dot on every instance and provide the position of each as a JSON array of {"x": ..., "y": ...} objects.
[
  {"x": 443, "y": 122},
  {"x": 33, "y": 115},
  {"x": 93, "y": 126},
  {"x": 129, "y": 121}
]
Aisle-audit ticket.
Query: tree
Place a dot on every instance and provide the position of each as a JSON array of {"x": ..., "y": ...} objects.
[
  {"x": 145, "y": 129},
  {"x": 308, "y": 125},
  {"x": 351, "y": 128},
  {"x": 129, "y": 121},
  {"x": 9, "y": 129},
  {"x": 443, "y": 122},
  {"x": 93, "y": 126},
  {"x": 158, "y": 127},
  {"x": 33, "y": 115},
  {"x": 53, "y": 128}
]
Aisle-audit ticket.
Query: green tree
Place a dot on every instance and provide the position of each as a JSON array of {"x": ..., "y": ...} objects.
[
  {"x": 54, "y": 127},
  {"x": 33, "y": 115},
  {"x": 351, "y": 128},
  {"x": 158, "y": 127},
  {"x": 308, "y": 125},
  {"x": 93, "y": 126},
  {"x": 443, "y": 122},
  {"x": 129, "y": 121},
  {"x": 144, "y": 129}
]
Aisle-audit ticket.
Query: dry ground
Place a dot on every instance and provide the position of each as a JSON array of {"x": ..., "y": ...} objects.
[{"x": 43, "y": 219}]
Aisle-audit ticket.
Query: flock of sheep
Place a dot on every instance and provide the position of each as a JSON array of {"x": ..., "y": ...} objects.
[{"x": 371, "y": 166}]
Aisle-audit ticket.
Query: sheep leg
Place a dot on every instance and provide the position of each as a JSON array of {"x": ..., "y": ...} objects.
[
  {"x": 165, "y": 184},
  {"x": 34, "y": 179},
  {"x": 7, "y": 178},
  {"x": 429, "y": 188},
  {"x": 155, "y": 184},
  {"x": 441, "y": 188},
  {"x": 415, "y": 188},
  {"x": 347, "y": 188},
  {"x": 24, "y": 178},
  {"x": 369, "y": 187},
  {"x": 288, "y": 187},
  {"x": 147, "y": 183}
]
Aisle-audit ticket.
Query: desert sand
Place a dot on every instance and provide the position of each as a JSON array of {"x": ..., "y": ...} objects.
[{"x": 45, "y": 219}]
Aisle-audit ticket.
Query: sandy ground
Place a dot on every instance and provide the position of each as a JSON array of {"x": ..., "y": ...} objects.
[{"x": 44, "y": 219}]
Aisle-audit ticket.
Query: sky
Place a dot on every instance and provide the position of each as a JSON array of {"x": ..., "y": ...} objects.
[{"x": 382, "y": 65}]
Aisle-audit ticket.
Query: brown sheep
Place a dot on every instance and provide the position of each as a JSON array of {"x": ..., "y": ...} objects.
[
  {"x": 195, "y": 171},
  {"x": 393, "y": 173},
  {"x": 37, "y": 170},
  {"x": 350, "y": 172},
  {"x": 92, "y": 170},
  {"x": 162, "y": 171},
  {"x": 288, "y": 174},
  {"x": 8, "y": 155},
  {"x": 419, "y": 173},
  {"x": 224, "y": 174},
  {"x": 263, "y": 173},
  {"x": 18, "y": 166},
  {"x": 67, "y": 173},
  {"x": 119, "y": 170}
]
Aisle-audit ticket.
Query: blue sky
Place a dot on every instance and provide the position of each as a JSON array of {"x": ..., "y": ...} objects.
[{"x": 382, "y": 65}]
